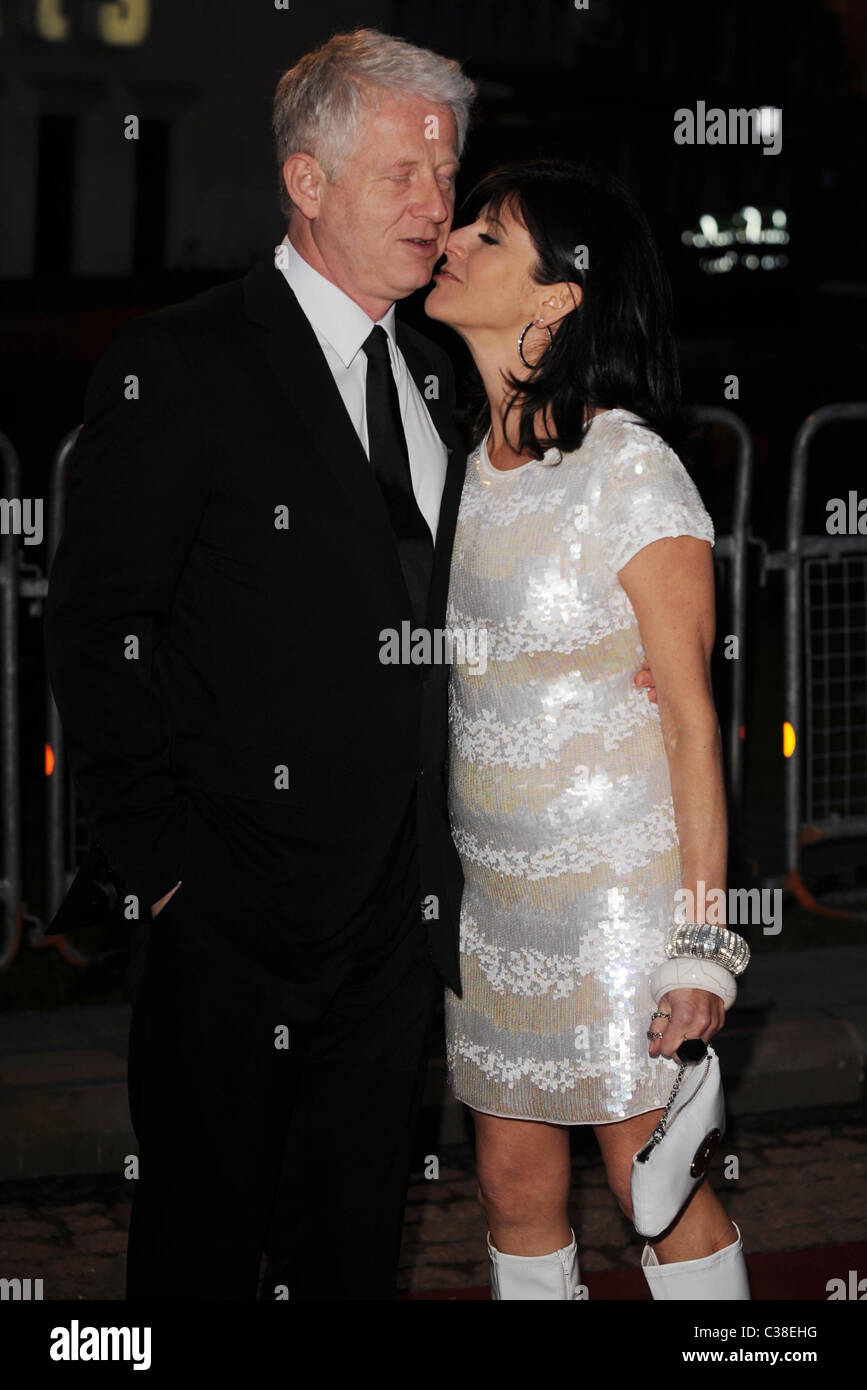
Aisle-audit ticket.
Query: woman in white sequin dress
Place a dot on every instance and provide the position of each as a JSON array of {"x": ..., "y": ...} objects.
[{"x": 578, "y": 806}]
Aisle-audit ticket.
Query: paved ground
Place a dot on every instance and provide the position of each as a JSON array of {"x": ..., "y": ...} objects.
[{"x": 799, "y": 1187}]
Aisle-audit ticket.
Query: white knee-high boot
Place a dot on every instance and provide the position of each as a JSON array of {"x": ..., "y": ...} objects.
[
  {"x": 719, "y": 1277},
  {"x": 554, "y": 1276}
]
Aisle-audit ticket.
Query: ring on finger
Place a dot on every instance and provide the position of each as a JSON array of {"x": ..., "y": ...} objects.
[
  {"x": 660, "y": 1015},
  {"x": 655, "y": 1035}
]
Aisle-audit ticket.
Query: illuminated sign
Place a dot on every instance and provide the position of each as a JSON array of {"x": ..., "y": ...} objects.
[
  {"x": 118, "y": 23},
  {"x": 735, "y": 241}
]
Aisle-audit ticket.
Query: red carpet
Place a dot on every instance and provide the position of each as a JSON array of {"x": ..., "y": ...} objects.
[{"x": 799, "y": 1275}]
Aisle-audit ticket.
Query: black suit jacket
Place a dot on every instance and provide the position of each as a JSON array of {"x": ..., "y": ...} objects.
[{"x": 213, "y": 630}]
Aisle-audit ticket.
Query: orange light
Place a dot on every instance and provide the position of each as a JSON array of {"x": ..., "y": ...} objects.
[
  {"x": 789, "y": 739},
  {"x": 742, "y": 733},
  {"x": 49, "y": 760}
]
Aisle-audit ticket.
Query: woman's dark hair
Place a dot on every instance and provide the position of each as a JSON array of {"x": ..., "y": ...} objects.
[{"x": 616, "y": 348}]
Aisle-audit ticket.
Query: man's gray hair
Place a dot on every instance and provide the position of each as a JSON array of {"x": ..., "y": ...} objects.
[{"x": 317, "y": 103}]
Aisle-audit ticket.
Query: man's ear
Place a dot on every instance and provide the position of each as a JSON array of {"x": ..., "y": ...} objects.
[
  {"x": 303, "y": 179},
  {"x": 557, "y": 301}
]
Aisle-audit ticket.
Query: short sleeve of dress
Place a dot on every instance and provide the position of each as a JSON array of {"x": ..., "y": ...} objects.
[{"x": 641, "y": 493}]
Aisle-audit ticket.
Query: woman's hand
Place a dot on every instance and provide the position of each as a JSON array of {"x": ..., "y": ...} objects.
[
  {"x": 695, "y": 1013},
  {"x": 644, "y": 677}
]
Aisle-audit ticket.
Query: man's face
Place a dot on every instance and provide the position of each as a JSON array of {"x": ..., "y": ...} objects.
[{"x": 383, "y": 223}]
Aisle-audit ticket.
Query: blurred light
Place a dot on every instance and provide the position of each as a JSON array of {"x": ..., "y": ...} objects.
[
  {"x": 49, "y": 760},
  {"x": 739, "y": 229},
  {"x": 51, "y": 23},
  {"x": 788, "y": 739},
  {"x": 770, "y": 120},
  {"x": 753, "y": 219},
  {"x": 718, "y": 265}
]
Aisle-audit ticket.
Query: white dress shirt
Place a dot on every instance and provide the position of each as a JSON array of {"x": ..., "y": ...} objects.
[{"x": 342, "y": 327}]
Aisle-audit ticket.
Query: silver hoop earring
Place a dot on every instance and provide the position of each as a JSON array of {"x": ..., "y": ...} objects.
[{"x": 527, "y": 327}]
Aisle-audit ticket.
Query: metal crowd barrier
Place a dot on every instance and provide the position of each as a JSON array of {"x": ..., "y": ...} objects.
[
  {"x": 61, "y": 816},
  {"x": 68, "y": 835},
  {"x": 809, "y": 561},
  {"x": 10, "y": 774},
  {"x": 826, "y": 672},
  {"x": 733, "y": 549}
]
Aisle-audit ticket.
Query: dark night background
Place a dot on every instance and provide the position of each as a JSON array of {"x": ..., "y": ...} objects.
[{"x": 96, "y": 229}]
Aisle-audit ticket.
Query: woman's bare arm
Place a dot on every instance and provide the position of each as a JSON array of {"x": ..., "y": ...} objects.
[{"x": 671, "y": 588}]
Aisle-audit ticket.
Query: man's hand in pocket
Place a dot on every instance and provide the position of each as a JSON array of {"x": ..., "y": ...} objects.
[{"x": 158, "y": 906}]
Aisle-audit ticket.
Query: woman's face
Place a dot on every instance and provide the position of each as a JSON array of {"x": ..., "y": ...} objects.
[{"x": 485, "y": 283}]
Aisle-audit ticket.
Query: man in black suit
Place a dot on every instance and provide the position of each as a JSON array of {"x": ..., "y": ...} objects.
[{"x": 266, "y": 483}]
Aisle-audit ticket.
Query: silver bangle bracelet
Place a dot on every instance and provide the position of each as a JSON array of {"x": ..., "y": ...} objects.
[{"x": 709, "y": 943}]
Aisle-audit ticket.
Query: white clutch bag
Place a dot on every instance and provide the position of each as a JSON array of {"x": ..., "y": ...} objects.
[{"x": 674, "y": 1160}]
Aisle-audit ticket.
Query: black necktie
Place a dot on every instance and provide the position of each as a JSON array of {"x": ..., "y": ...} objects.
[{"x": 390, "y": 462}]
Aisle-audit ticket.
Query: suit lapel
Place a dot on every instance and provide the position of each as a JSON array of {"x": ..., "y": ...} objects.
[
  {"x": 297, "y": 361},
  {"x": 439, "y": 408},
  {"x": 451, "y": 497}
]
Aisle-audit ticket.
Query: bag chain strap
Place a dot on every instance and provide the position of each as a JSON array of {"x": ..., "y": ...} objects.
[{"x": 659, "y": 1128}]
